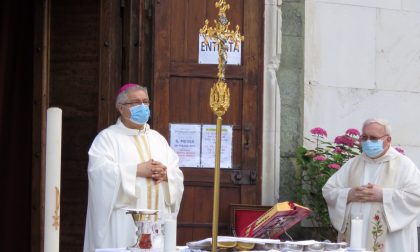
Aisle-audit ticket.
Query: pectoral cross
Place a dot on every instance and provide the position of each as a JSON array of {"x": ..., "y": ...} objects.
[{"x": 219, "y": 94}]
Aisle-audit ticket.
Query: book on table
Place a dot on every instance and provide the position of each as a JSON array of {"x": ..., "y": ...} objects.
[{"x": 276, "y": 221}]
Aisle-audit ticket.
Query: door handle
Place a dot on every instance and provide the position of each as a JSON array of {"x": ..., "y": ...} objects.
[{"x": 247, "y": 130}]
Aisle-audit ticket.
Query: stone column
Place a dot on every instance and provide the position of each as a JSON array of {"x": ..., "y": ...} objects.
[
  {"x": 271, "y": 106},
  {"x": 291, "y": 83}
]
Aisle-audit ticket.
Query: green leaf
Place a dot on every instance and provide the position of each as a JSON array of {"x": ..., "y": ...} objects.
[{"x": 314, "y": 175}]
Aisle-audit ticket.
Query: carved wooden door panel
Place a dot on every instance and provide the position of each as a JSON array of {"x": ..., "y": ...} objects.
[{"x": 180, "y": 93}]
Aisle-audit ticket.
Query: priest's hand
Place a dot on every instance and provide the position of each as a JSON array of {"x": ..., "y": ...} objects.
[
  {"x": 373, "y": 193},
  {"x": 356, "y": 194},
  {"x": 366, "y": 193},
  {"x": 159, "y": 171},
  {"x": 152, "y": 169}
]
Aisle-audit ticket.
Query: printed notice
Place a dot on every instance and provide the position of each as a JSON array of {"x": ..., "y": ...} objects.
[
  {"x": 209, "y": 54},
  {"x": 185, "y": 141},
  {"x": 208, "y": 145}
]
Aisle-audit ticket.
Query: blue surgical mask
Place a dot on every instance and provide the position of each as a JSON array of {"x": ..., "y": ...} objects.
[
  {"x": 373, "y": 148},
  {"x": 140, "y": 114}
]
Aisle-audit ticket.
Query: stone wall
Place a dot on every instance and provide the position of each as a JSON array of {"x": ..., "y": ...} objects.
[{"x": 290, "y": 78}]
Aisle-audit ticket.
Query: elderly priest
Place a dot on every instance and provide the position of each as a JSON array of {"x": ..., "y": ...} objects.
[
  {"x": 383, "y": 186},
  {"x": 130, "y": 166}
]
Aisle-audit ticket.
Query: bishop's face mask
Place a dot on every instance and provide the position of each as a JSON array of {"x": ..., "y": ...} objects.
[
  {"x": 140, "y": 114},
  {"x": 373, "y": 148}
]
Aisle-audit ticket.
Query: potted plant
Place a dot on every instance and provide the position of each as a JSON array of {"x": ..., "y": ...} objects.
[{"x": 317, "y": 165}]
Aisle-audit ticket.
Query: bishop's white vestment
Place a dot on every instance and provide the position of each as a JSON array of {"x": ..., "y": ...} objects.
[
  {"x": 400, "y": 180},
  {"x": 113, "y": 185}
]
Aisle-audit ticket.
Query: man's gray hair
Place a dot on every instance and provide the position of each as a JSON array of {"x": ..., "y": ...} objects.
[
  {"x": 380, "y": 122},
  {"x": 122, "y": 97}
]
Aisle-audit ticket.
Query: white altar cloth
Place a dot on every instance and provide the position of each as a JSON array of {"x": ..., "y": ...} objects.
[
  {"x": 178, "y": 249},
  {"x": 195, "y": 246},
  {"x": 186, "y": 249},
  {"x": 111, "y": 250}
]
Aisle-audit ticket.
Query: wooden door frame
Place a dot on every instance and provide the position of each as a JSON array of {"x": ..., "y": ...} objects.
[{"x": 40, "y": 100}]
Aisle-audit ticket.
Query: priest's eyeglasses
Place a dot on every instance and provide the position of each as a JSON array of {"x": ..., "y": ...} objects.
[
  {"x": 136, "y": 103},
  {"x": 371, "y": 138}
]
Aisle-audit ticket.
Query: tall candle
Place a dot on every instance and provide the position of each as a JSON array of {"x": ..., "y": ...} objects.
[
  {"x": 169, "y": 240},
  {"x": 356, "y": 233},
  {"x": 52, "y": 181}
]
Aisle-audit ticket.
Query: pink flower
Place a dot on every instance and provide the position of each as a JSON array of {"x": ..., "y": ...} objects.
[
  {"x": 345, "y": 140},
  {"x": 319, "y": 132},
  {"x": 320, "y": 158},
  {"x": 376, "y": 217},
  {"x": 352, "y": 132},
  {"x": 400, "y": 150},
  {"x": 338, "y": 150},
  {"x": 334, "y": 166}
]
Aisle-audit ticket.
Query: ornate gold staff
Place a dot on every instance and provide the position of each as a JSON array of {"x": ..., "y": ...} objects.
[{"x": 219, "y": 94}]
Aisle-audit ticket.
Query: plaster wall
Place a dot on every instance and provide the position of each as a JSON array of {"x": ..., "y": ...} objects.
[{"x": 362, "y": 60}]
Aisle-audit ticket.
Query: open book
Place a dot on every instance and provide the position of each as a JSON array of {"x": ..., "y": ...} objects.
[{"x": 276, "y": 221}]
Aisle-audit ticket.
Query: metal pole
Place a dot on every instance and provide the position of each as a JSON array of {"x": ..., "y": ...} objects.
[{"x": 216, "y": 192}]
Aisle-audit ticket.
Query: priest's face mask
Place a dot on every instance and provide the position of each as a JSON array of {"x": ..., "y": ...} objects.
[
  {"x": 375, "y": 141},
  {"x": 136, "y": 108}
]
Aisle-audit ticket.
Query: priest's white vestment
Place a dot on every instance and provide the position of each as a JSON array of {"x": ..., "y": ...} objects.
[
  {"x": 400, "y": 180},
  {"x": 113, "y": 185}
]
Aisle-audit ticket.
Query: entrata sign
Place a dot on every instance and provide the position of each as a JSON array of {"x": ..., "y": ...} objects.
[{"x": 208, "y": 54}]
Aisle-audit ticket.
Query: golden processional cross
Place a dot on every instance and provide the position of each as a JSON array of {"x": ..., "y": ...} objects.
[{"x": 219, "y": 94}]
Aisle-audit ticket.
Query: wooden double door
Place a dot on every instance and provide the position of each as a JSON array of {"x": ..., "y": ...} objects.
[
  {"x": 180, "y": 93},
  {"x": 85, "y": 49}
]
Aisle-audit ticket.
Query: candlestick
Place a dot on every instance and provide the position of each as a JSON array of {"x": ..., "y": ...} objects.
[
  {"x": 52, "y": 181},
  {"x": 356, "y": 232}
]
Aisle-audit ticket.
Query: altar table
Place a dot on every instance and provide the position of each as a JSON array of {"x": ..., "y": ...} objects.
[
  {"x": 264, "y": 245},
  {"x": 186, "y": 249}
]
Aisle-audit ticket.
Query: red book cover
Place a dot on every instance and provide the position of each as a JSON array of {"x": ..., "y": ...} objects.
[{"x": 276, "y": 221}]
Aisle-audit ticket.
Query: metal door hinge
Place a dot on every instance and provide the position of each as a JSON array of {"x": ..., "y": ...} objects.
[{"x": 244, "y": 177}]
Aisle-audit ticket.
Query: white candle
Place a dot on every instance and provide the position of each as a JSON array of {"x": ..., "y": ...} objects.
[
  {"x": 52, "y": 181},
  {"x": 170, "y": 235},
  {"x": 356, "y": 233}
]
